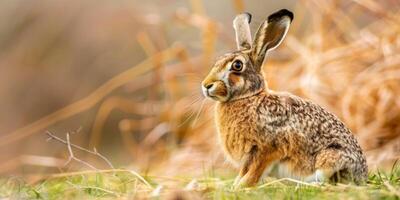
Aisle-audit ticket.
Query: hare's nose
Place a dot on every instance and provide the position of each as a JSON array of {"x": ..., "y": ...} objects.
[{"x": 208, "y": 86}]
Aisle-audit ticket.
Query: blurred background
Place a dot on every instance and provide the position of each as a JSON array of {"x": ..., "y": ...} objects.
[{"x": 122, "y": 78}]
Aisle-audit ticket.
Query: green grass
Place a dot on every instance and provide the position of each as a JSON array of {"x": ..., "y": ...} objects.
[{"x": 123, "y": 184}]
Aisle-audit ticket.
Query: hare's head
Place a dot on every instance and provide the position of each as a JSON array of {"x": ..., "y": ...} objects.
[{"x": 238, "y": 74}]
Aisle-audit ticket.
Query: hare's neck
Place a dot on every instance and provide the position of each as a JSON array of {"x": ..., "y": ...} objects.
[
  {"x": 250, "y": 93},
  {"x": 249, "y": 96},
  {"x": 242, "y": 103}
]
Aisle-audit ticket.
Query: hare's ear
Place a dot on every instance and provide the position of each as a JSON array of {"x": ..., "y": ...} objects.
[
  {"x": 242, "y": 30},
  {"x": 270, "y": 34}
]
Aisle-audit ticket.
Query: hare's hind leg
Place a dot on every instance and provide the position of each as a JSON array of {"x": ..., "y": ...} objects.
[{"x": 327, "y": 163}]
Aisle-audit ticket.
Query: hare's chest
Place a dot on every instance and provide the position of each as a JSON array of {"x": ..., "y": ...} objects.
[
  {"x": 235, "y": 142},
  {"x": 237, "y": 134}
]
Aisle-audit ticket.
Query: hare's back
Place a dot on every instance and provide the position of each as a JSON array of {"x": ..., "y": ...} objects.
[{"x": 313, "y": 121}]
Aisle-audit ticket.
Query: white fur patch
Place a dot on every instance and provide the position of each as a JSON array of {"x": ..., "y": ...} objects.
[{"x": 283, "y": 171}]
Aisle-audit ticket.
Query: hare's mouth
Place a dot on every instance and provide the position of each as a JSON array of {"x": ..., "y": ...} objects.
[
  {"x": 217, "y": 91},
  {"x": 218, "y": 98},
  {"x": 208, "y": 94},
  {"x": 214, "y": 97}
]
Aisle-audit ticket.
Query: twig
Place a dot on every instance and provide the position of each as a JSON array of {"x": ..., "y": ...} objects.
[
  {"x": 94, "y": 152},
  {"x": 72, "y": 156}
]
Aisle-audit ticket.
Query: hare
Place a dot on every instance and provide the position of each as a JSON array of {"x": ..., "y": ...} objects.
[{"x": 259, "y": 127}]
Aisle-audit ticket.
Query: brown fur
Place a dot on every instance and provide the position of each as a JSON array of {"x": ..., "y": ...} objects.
[
  {"x": 283, "y": 127},
  {"x": 258, "y": 127}
]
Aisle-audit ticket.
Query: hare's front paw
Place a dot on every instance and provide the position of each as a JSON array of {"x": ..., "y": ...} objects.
[
  {"x": 245, "y": 181},
  {"x": 237, "y": 183},
  {"x": 237, "y": 180},
  {"x": 240, "y": 182}
]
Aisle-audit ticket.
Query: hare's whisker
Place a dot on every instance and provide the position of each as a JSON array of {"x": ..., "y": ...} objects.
[
  {"x": 198, "y": 113},
  {"x": 191, "y": 112}
]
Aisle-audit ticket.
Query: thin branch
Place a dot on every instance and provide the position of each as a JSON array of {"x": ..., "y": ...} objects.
[
  {"x": 94, "y": 152},
  {"x": 72, "y": 156}
]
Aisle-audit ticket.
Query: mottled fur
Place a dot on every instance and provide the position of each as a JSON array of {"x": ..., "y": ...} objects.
[{"x": 258, "y": 127}]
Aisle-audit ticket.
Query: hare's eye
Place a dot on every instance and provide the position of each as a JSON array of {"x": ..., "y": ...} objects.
[{"x": 237, "y": 65}]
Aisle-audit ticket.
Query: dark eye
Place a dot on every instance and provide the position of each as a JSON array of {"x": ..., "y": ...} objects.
[{"x": 237, "y": 65}]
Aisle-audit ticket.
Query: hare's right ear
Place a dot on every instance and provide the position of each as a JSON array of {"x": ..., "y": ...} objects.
[
  {"x": 270, "y": 34},
  {"x": 242, "y": 30}
]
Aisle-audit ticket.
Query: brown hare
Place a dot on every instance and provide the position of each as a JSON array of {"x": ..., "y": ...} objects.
[{"x": 259, "y": 128}]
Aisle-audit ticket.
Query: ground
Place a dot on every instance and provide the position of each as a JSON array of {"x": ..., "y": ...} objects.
[{"x": 126, "y": 184}]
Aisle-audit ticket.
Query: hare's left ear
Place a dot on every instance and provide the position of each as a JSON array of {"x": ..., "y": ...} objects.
[
  {"x": 270, "y": 34},
  {"x": 242, "y": 30}
]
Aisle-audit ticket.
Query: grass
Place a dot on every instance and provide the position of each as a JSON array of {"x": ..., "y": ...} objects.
[{"x": 123, "y": 184}]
